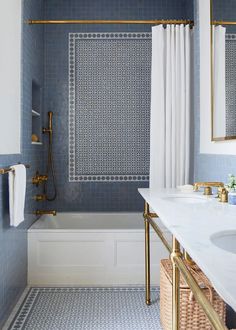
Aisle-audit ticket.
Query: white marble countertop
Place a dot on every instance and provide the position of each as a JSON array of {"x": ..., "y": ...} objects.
[{"x": 193, "y": 224}]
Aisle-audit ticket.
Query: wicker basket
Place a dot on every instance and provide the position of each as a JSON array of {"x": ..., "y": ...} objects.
[{"x": 192, "y": 316}]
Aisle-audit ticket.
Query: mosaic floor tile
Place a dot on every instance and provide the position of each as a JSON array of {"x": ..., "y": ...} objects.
[{"x": 87, "y": 309}]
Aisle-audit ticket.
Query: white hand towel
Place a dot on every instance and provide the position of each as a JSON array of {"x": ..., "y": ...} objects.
[{"x": 17, "y": 188}]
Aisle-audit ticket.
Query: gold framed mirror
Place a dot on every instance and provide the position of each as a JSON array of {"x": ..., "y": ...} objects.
[{"x": 223, "y": 73}]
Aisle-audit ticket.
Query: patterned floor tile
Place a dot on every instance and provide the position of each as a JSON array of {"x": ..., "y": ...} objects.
[{"x": 87, "y": 309}]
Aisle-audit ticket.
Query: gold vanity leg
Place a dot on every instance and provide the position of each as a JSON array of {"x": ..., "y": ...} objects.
[
  {"x": 175, "y": 285},
  {"x": 147, "y": 254}
]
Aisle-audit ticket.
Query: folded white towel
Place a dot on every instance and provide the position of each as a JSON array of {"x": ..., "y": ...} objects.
[
  {"x": 187, "y": 188},
  {"x": 17, "y": 188}
]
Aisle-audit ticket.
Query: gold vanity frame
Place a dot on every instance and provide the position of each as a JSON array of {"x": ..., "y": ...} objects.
[
  {"x": 178, "y": 266},
  {"x": 213, "y": 23}
]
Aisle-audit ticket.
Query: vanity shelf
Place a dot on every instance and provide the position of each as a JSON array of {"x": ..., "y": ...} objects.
[
  {"x": 35, "y": 113},
  {"x": 37, "y": 143}
]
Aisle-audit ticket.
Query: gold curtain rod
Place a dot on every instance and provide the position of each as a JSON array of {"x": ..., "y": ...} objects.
[
  {"x": 173, "y": 21},
  {"x": 223, "y": 22},
  {"x": 7, "y": 170}
]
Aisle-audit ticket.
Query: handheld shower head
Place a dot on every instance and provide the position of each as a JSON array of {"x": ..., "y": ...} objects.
[
  {"x": 49, "y": 129},
  {"x": 50, "y": 114},
  {"x": 50, "y": 165}
]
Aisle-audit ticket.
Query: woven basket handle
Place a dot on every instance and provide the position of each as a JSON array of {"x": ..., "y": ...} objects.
[{"x": 203, "y": 284}]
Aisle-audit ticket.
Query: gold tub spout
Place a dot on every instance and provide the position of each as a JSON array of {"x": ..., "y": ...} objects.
[{"x": 42, "y": 212}]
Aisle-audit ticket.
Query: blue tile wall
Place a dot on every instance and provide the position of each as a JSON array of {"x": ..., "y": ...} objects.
[
  {"x": 211, "y": 167},
  {"x": 13, "y": 241},
  {"x": 91, "y": 196}
]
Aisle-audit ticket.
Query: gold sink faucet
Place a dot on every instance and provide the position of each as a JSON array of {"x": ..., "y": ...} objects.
[{"x": 207, "y": 186}]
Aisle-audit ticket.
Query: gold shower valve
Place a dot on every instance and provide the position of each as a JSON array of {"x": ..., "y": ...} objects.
[
  {"x": 40, "y": 197},
  {"x": 46, "y": 130},
  {"x": 39, "y": 179}
]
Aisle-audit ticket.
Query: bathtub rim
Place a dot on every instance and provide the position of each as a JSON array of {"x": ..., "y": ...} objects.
[{"x": 90, "y": 230}]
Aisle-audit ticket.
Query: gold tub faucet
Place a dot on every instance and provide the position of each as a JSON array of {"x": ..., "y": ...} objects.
[
  {"x": 207, "y": 186},
  {"x": 42, "y": 212}
]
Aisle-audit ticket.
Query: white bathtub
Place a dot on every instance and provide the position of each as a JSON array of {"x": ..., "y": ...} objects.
[{"x": 90, "y": 249}]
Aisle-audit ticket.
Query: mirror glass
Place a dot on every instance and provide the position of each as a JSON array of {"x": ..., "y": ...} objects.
[{"x": 223, "y": 62}]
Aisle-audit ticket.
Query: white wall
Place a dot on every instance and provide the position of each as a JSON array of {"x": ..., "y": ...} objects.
[
  {"x": 206, "y": 145},
  {"x": 10, "y": 76}
]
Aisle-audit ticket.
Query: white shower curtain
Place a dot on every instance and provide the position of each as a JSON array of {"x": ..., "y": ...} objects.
[{"x": 170, "y": 106}]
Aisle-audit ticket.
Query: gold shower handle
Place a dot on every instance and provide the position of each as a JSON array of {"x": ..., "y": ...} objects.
[
  {"x": 38, "y": 178},
  {"x": 40, "y": 198}
]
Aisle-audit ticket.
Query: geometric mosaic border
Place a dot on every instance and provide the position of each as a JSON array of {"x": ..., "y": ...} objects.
[
  {"x": 110, "y": 178},
  {"x": 31, "y": 299},
  {"x": 230, "y": 36},
  {"x": 73, "y": 176}
]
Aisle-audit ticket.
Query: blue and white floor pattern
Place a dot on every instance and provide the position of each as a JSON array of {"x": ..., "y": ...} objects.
[{"x": 87, "y": 309}]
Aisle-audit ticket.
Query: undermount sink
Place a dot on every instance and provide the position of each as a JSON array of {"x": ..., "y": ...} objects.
[
  {"x": 187, "y": 199},
  {"x": 225, "y": 240}
]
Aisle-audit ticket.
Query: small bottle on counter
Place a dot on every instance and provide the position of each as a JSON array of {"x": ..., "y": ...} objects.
[{"x": 232, "y": 198}]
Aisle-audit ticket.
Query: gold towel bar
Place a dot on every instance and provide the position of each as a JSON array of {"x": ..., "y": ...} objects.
[{"x": 7, "y": 170}]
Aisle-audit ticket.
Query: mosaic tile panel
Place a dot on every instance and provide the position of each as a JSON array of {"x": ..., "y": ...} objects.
[
  {"x": 109, "y": 97},
  {"x": 230, "y": 84},
  {"x": 88, "y": 308}
]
